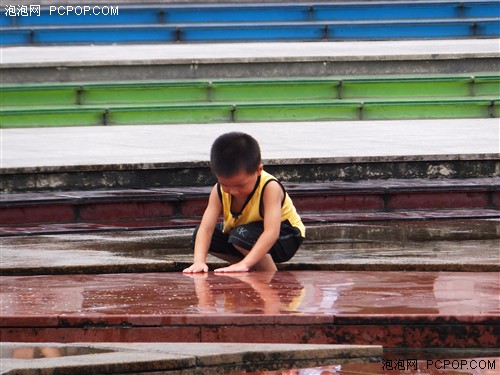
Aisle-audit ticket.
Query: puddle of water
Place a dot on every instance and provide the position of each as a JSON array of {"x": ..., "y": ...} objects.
[
  {"x": 479, "y": 366},
  {"x": 410, "y": 361},
  {"x": 38, "y": 352}
]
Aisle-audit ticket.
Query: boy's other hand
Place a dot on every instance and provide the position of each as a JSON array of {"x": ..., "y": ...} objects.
[
  {"x": 237, "y": 267},
  {"x": 196, "y": 268}
]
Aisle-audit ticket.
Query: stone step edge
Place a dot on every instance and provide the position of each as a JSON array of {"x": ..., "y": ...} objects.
[{"x": 292, "y": 170}]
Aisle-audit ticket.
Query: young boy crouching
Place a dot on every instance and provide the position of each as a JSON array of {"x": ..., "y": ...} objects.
[{"x": 261, "y": 225}]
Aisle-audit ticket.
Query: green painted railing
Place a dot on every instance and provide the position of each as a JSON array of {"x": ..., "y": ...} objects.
[{"x": 250, "y": 100}]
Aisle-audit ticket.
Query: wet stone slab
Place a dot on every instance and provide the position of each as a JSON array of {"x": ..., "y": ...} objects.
[
  {"x": 457, "y": 245},
  {"x": 326, "y": 293},
  {"x": 393, "y": 309}
]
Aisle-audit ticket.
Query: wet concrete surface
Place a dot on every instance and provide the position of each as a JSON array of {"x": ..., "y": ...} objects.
[
  {"x": 172, "y": 358},
  {"x": 234, "y": 359},
  {"x": 392, "y": 309},
  {"x": 100, "y": 296},
  {"x": 456, "y": 245}
]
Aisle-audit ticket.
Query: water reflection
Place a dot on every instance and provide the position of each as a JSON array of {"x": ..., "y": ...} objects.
[
  {"x": 471, "y": 297},
  {"x": 348, "y": 293},
  {"x": 311, "y": 292},
  {"x": 457, "y": 366},
  {"x": 38, "y": 352},
  {"x": 260, "y": 292}
]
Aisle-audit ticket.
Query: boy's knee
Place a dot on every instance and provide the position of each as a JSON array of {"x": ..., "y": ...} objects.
[{"x": 245, "y": 236}]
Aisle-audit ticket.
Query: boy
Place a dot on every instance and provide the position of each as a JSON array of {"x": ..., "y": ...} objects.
[{"x": 261, "y": 225}]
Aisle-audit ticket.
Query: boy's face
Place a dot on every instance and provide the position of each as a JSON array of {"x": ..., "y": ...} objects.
[{"x": 241, "y": 184}]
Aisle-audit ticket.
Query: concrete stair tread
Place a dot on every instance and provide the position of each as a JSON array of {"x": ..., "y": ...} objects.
[
  {"x": 190, "y": 222},
  {"x": 244, "y": 60}
]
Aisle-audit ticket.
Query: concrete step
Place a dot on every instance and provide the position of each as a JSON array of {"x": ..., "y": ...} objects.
[
  {"x": 55, "y": 167},
  {"x": 317, "y": 202},
  {"x": 247, "y": 60},
  {"x": 419, "y": 244},
  {"x": 169, "y": 358}
]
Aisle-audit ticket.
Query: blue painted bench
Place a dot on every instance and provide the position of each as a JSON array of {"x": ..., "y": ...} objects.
[{"x": 252, "y": 22}]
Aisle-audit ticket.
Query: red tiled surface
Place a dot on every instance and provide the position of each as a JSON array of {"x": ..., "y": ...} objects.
[
  {"x": 102, "y": 334},
  {"x": 169, "y": 205},
  {"x": 496, "y": 198},
  {"x": 394, "y": 309},
  {"x": 193, "y": 206},
  {"x": 125, "y": 210},
  {"x": 37, "y": 214},
  {"x": 438, "y": 200},
  {"x": 351, "y": 202}
]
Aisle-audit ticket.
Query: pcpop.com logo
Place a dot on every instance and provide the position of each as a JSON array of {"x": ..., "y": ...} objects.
[
  {"x": 79, "y": 10},
  {"x": 95, "y": 10}
]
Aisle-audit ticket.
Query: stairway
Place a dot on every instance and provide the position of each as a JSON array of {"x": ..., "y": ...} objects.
[{"x": 415, "y": 199}]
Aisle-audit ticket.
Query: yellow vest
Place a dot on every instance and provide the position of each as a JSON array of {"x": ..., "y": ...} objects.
[{"x": 254, "y": 207}]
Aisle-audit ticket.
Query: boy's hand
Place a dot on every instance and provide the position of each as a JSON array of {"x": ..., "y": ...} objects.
[
  {"x": 237, "y": 267},
  {"x": 196, "y": 268}
]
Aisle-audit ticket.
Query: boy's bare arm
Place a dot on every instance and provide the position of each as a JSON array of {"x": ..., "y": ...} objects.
[
  {"x": 273, "y": 196},
  {"x": 205, "y": 232}
]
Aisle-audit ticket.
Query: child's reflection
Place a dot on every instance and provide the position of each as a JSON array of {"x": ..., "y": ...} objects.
[
  {"x": 35, "y": 352},
  {"x": 255, "y": 292}
]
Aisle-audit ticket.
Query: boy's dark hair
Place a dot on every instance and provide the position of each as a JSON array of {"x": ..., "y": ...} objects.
[{"x": 233, "y": 152}]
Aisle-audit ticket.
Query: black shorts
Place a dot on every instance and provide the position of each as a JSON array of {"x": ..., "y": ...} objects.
[{"x": 245, "y": 236}]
